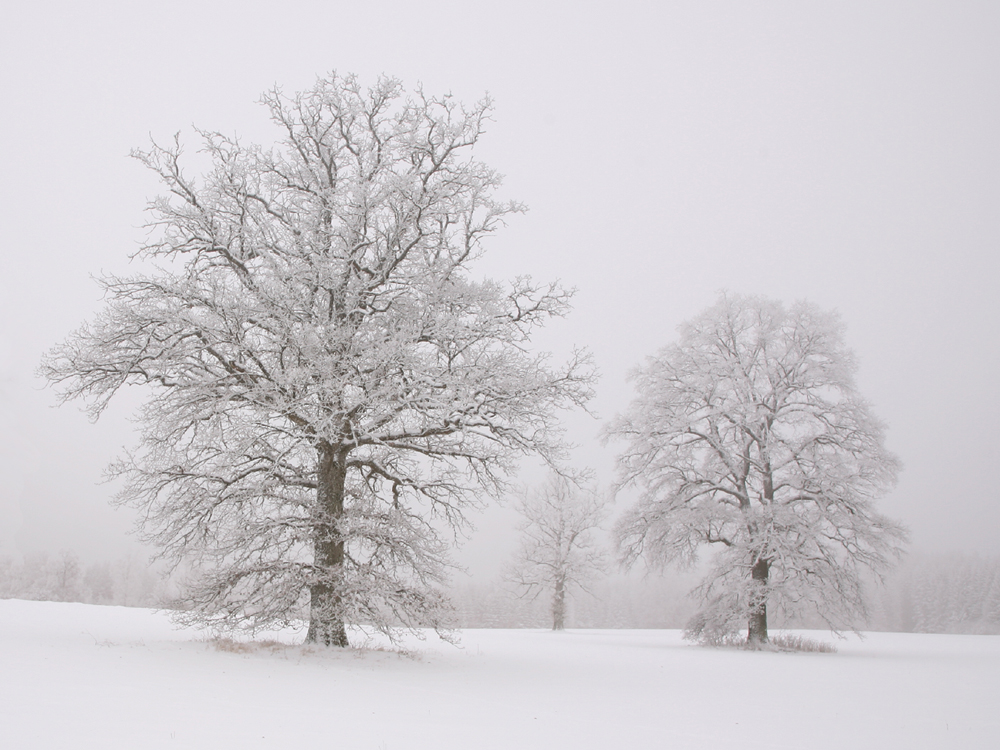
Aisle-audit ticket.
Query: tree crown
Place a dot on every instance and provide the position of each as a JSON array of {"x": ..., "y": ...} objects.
[
  {"x": 749, "y": 434},
  {"x": 320, "y": 361}
]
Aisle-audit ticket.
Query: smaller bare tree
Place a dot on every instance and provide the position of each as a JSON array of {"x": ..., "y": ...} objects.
[{"x": 558, "y": 549}]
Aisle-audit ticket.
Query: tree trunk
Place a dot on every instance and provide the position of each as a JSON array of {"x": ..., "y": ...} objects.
[
  {"x": 326, "y": 620},
  {"x": 559, "y": 605},
  {"x": 757, "y": 628}
]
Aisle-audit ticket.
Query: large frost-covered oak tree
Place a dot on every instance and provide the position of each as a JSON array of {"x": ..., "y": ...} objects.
[
  {"x": 329, "y": 388},
  {"x": 748, "y": 435}
]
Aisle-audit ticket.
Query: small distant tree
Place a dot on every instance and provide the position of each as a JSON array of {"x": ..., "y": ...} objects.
[
  {"x": 99, "y": 583},
  {"x": 748, "y": 435},
  {"x": 327, "y": 380},
  {"x": 68, "y": 577},
  {"x": 558, "y": 549}
]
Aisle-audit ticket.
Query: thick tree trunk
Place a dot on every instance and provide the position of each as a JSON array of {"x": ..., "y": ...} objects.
[
  {"x": 559, "y": 605},
  {"x": 757, "y": 628},
  {"x": 326, "y": 621}
]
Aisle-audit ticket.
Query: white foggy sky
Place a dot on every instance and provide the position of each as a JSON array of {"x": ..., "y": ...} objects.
[{"x": 845, "y": 153}]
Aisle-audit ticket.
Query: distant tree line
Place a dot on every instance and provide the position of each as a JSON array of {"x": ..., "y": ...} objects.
[
  {"x": 128, "y": 581},
  {"x": 956, "y": 593},
  {"x": 941, "y": 594}
]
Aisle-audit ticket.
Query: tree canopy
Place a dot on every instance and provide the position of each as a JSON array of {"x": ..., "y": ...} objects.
[
  {"x": 748, "y": 435},
  {"x": 327, "y": 380}
]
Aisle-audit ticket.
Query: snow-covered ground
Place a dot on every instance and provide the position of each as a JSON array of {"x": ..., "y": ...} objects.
[{"x": 83, "y": 676}]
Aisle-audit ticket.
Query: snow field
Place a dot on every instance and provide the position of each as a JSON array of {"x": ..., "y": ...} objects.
[{"x": 84, "y": 676}]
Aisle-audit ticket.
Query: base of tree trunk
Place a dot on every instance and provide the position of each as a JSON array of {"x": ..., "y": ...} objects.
[
  {"x": 327, "y": 634},
  {"x": 757, "y": 629},
  {"x": 559, "y": 606}
]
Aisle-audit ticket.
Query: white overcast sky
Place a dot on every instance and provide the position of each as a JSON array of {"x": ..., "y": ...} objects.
[{"x": 843, "y": 152}]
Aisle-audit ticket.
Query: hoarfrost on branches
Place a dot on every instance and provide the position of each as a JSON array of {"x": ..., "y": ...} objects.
[
  {"x": 326, "y": 379},
  {"x": 748, "y": 435},
  {"x": 558, "y": 550}
]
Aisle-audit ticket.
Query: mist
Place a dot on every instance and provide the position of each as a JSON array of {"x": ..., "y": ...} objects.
[{"x": 844, "y": 154}]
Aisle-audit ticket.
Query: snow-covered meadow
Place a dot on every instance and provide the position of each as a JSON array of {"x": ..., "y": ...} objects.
[{"x": 82, "y": 676}]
